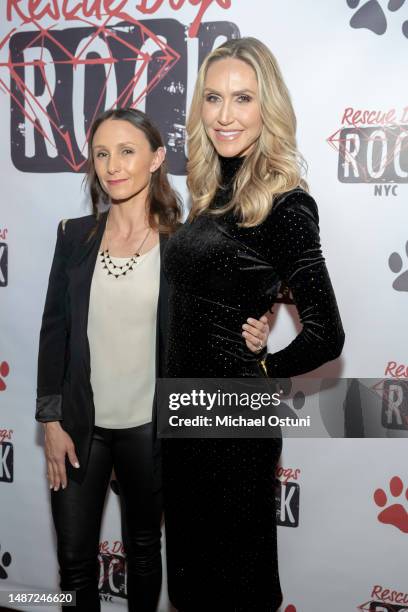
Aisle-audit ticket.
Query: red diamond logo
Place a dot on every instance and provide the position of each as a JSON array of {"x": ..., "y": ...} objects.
[{"x": 152, "y": 59}]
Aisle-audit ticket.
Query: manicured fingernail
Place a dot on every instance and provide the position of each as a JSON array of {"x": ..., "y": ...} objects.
[
  {"x": 76, "y": 464},
  {"x": 55, "y": 488}
]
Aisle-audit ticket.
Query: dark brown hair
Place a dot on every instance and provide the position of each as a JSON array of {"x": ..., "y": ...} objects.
[{"x": 164, "y": 203}]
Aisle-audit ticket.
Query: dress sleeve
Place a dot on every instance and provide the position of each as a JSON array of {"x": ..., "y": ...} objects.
[
  {"x": 298, "y": 259},
  {"x": 53, "y": 338}
]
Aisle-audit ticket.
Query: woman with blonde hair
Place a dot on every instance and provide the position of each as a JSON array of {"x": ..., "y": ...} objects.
[{"x": 252, "y": 227}]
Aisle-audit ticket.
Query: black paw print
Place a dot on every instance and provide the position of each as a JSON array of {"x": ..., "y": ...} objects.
[
  {"x": 5, "y": 562},
  {"x": 371, "y": 16},
  {"x": 396, "y": 264}
]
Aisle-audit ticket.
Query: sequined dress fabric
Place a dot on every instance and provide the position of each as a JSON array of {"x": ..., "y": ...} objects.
[{"x": 219, "y": 494}]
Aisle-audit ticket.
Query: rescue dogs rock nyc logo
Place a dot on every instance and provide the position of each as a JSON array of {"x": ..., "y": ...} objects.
[
  {"x": 6, "y": 455},
  {"x": 385, "y": 599},
  {"x": 372, "y": 147},
  {"x": 112, "y": 571},
  {"x": 94, "y": 56},
  {"x": 3, "y": 263}
]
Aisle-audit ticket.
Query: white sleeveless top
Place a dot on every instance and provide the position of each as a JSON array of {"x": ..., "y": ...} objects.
[{"x": 122, "y": 341}]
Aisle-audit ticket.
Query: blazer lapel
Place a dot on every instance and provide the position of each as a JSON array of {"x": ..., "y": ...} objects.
[
  {"x": 88, "y": 248},
  {"x": 81, "y": 269}
]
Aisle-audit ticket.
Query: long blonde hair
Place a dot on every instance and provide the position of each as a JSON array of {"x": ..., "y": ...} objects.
[{"x": 274, "y": 166}]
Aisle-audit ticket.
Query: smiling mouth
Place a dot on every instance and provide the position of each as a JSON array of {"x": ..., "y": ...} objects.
[
  {"x": 228, "y": 134},
  {"x": 116, "y": 182}
]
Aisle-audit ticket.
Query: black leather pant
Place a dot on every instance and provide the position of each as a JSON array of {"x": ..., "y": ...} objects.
[{"x": 77, "y": 513}]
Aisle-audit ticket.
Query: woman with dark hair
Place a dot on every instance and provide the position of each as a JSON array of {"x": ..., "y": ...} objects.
[
  {"x": 252, "y": 227},
  {"x": 102, "y": 345}
]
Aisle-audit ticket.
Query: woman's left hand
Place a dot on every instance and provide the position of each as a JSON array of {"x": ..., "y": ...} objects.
[{"x": 256, "y": 333}]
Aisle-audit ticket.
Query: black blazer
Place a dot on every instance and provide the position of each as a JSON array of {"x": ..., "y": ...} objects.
[{"x": 64, "y": 390}]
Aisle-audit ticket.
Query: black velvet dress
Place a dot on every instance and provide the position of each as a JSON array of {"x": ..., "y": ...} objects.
[{"x": 219, "y": 493}]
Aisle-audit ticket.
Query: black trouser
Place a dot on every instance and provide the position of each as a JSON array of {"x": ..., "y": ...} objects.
[{"x": 77, "y": 513}]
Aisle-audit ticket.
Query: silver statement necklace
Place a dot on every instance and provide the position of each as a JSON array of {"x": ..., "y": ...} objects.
[{"x": 116, "y": 271}]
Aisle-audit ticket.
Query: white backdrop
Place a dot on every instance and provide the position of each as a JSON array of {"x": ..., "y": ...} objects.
[{"x": 337, "y": 58}]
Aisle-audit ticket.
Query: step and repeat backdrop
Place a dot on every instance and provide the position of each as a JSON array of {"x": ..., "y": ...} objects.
[{"x": 342, "y": 507}]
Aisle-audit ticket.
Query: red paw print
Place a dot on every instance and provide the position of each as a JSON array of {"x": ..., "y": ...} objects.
[
  {"x": 290, "y": 608},
  {"x": 394, "y": 514},
  {"x": 4, "y": 370}
]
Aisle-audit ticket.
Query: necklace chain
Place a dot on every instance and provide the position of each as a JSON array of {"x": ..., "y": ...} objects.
[{"x": 116, "y": 271}]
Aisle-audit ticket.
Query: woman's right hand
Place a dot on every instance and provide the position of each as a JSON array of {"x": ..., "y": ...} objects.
[{"x": 58, "y": 444}]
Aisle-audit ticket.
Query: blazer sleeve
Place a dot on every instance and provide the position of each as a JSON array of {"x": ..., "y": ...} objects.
[
  {"x": 53, "y": 338},
  {"x": 298, "y": 258}
]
